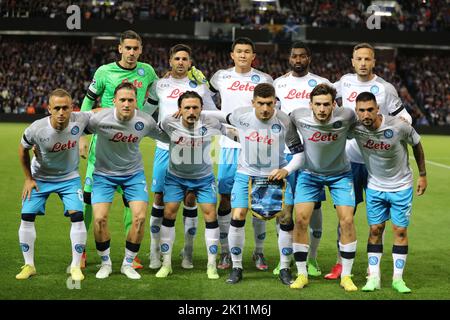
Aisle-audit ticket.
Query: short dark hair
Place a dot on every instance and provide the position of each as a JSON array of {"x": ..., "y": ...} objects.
[
  {"x": 264, "y": 90},
  {"x": 366, "y": 96},
  {"x": 243, "y": 40},
  {"x": 130, "y": 34},
  {"x": 323, "y": 89},
  {"x": 59, "y": 92},
  {"x": 187, "y": 95},
  {"x": 180, "y": 47},
  {"x": 301, "y": 45},
  {"x": 363, "y": 45},
  {"x": 125, "y": 85}
]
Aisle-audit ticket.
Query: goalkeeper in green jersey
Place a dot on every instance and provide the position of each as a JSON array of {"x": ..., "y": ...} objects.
[{"x": 105, "y": 81}]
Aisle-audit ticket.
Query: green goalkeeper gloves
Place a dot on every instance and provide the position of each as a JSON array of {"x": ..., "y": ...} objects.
[{"x": 196, "y": 75}]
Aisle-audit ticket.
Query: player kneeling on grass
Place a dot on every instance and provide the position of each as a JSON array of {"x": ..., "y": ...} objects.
[
  {"x": 383, "y": 142},
  {"x": 53, "y": 169},
  {"x": 190, "y": 169},
  {"x": 119, "y": 164}
]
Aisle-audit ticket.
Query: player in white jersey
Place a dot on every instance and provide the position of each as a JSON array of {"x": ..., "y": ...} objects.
[
  {"x": 236, "y": 86},
  {"x": 348, "y": 87},
  {"x": 263, "y": 131},
  {"x": 383, "y": 141},
  {"x": 119, "y": 163},
  {"x": 293, "y": 90},
  {"x": 324, "y": 132},
  {"x": 190, "y": 168},
  {"x": 53, "y": 169},
  {"x": 164, "y": 94}
]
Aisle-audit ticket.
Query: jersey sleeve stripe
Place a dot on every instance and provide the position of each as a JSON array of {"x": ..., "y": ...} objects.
[
  {"x": 151, "y": 101},
  {"x": 26, "y": 140},
  {"x": 396, "y": 112}
]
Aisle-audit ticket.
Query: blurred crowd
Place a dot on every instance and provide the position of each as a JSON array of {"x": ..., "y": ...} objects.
[
  {"x": 30, "y": 70},
  {"x": 416, "y": 15}
]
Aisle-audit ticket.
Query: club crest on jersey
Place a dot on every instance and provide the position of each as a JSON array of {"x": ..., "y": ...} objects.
[
  {"x": 312, "y": 83},
  {"x": 276, "y": 128},
  {"x": 203, "y": 130},
  {"x": 192, "y": 84},
  {"x": 139, "y": 126},
  {"x": 388, "y": 133},
  {"x": 75, "y": 130},
  {"x": 255, "y": 78},
  {"x": 337, "y": 124},
  {"x": 374, "y": 89},
  {"x": 141, "y": 72}
]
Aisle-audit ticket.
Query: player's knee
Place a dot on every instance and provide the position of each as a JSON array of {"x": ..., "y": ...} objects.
[
  {"x": 28, "y": 217},
  {"x": 376, "y": 231},
  {"x": 400, "y": 233},
  {"x": 302, "y": 221},
  {"x": 346, "y": 222},
  {"x": 77, "y": 216},
  {"x": 125, "y": 201},
  {"x": 87, "y": 198},
  {"x": 170, "y": 214},
  {"x": 139, "y": 221},
  {"x": 101, "y": 222}
]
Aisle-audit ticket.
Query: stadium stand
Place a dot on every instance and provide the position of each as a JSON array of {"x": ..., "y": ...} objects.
[
  {"x": 426, "y": 16},
  {"x": 34, "y": 68}
]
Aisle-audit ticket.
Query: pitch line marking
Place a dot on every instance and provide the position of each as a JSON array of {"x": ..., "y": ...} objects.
[{"x": 437, "y": 164}]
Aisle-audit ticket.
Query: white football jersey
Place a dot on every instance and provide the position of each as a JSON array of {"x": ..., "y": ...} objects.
[
  {"x": 189, "y": 152},
  {"x": 348, "y": 88},
  {"x": 117, "y": 149},
  {"x": 57, "y": 152},
  {"x": 324, "y": 144},
  {"x": 263, "y": 142},
  {"x": 236, "y": 91},
  {"x": 294, "y": 92},
  {"x": 165, "y": 93},
  {"x": 385, "y": 153}
]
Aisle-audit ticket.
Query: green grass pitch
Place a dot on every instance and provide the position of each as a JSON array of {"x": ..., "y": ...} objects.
[{"x": 427, "y": 269}]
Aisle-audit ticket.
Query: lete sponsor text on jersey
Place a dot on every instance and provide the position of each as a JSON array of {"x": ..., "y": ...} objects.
[
  {"x": 323, "y": 136},
  {"x": 121, "y": 137},
  {"x": 256, "y": 137},
  {"x": 294, "y": 94},
  {"x": 238, "y": 86},
  {"x": 137, "y": 84},
  {"x": 175, "y": 94},
  {"x": 376, "y": 145},
  {"x": 58, "y": 146}
]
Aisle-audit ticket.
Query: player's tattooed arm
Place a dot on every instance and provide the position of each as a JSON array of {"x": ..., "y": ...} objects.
[
  {"x": 25, "y": 161},
  {"x": 420, "y": 160}
]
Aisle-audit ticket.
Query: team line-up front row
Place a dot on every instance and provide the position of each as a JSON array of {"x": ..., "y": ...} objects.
[{"x": 316, "y": 138}]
